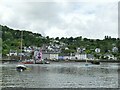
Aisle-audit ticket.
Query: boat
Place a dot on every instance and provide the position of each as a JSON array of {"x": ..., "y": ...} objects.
[
  {"x": 42, "y": 62},
  {"x": 95, "y": 62},
  {"x": 37, "y": 62},
  {"x": 28, "y": 62},
  {"x": 21, "y": 67}
]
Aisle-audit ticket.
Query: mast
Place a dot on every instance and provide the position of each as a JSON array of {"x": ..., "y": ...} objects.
[
  {"x": 41, "y": 53},
  {"x": 86, "y": 64},
  {"x": 21, "y": 45}
]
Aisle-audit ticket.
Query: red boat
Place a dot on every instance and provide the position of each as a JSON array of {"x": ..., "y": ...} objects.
[{"x": 28, "y": 62}]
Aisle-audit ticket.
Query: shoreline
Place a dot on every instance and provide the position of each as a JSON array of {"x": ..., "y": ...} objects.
[{"x": 106, "y": 61}]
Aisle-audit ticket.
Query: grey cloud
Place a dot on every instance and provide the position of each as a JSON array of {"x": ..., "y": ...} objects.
[{"x": 87, "y": 19}]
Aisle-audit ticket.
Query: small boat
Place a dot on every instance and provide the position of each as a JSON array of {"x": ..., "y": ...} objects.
[
  {"x": 21, "y": 67},
  {"x": 6, "y": 62},
  {"x": 28, "y": 61},
  {"x": 42, "y": 62},
  {"x": 95, "y": 62},
  {"x": 46, "y": 62}
]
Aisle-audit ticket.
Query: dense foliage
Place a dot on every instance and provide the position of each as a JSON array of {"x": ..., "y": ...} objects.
[{"x": 11, "y": 39}]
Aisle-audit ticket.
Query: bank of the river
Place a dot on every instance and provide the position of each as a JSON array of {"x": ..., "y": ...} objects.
[
  {"x": 106, "y": 61},
  {"x": 109, "y": 61}
]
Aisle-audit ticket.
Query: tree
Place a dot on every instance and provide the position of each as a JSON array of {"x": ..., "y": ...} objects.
[
  {"x": 57, "y": 38},
  {"x": 48, "y": 37}
]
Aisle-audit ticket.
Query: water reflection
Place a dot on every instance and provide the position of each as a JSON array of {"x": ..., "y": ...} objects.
[{"x": 62, "y": 75}]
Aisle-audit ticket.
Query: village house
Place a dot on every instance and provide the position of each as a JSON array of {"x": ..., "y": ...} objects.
[
  {"x": 50, "y": 55},
  {"x": 114, "y": 49},
  {"x": 97, "y": 50},
  {"x": 90, "y": 56},
  {"x": 81, "y": 56},
  {"x": 110, "y": 56},
  {"x": 28, "y": 49},
  {"x": 13, "y": 53}
]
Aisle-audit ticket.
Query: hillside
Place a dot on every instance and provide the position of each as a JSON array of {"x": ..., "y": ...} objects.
[{"x": 12, "y": 40}]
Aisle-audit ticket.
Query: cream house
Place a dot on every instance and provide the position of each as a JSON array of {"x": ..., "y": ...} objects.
[
  {"x": 81, "y": 56},
  {"x": 50, "y": 55}
]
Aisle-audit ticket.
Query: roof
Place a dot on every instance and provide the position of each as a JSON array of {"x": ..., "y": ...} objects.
[{"x": 49, "y": 52}]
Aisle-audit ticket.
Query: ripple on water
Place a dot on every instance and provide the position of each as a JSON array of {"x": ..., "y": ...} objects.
[{"x": 60, "y": 75}]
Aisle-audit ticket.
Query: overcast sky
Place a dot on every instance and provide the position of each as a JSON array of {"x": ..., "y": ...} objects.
[{"x": 58, "y": 18}]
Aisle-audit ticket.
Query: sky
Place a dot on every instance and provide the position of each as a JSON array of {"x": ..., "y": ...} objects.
[{"x": 57, "y": 18}]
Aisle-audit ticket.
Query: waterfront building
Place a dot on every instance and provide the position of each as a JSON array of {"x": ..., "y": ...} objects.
[
  {"x": 50, "y": 55},
  {"x": 13, "y": 53},
  {"x": 90, "y": 56},
  {"x": 81, "y": 56},
  {"x": 66, "y": 57}
]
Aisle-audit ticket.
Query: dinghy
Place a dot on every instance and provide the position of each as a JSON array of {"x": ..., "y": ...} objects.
[
  {"x": 95, "y": 62},
  {"x": 21, "y": 68}
]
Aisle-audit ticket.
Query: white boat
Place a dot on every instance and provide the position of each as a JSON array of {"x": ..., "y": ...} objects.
[{"x": 21, "y": 67}]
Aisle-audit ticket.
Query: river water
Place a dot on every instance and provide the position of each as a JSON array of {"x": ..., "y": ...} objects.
[{"x": 61, "y": 75}]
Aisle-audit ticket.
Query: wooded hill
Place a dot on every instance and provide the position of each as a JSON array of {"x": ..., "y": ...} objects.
[{"x": 11, "y": 39}]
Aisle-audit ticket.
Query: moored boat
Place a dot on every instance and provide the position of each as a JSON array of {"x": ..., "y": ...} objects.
[
  {"x": 31, "y": 61},
  {"x": 95, "y": 62},
  {"x": 21, "y": 67},
  {"x": 28, "y": 62},
  {"x": 42, "y": 62}
]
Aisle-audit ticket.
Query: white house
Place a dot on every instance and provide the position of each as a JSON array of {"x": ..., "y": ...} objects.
[
  {"x": 13, "y": 53},
  {"x": 50, "y": 55},
  {"x": 90, "y": 56},
  {"x": 66, "y": 48},
  {"x": 97, "y": 50},
  {"x": 114, "y": 49},
  {"x": 29, "y": 49},
  {"x": 110, "y": 56},
  {"x": 81, "y": 56}
]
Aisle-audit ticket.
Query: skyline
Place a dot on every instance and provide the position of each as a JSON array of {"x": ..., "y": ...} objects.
[{"x": 62, "y": 19}]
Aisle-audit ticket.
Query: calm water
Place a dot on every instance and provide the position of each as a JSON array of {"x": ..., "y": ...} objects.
[{"x": 61, "y": 75}]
